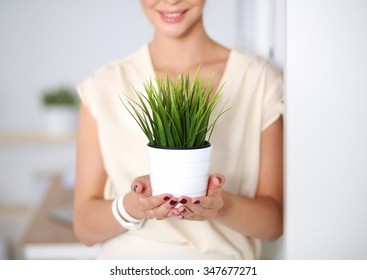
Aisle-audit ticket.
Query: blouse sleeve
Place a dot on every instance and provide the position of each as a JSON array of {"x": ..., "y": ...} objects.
[
  {"x": 85, "y": 92},
  {"x": 273, "y": 96}
]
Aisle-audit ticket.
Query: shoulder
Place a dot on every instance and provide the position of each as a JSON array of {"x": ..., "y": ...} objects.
[
  {"x": 101, "y": 87},
  {"x": 253, "y": 62},
  {"x": 115, "y": 70}
]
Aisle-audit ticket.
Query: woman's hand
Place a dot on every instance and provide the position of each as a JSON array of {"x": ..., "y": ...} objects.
[
  {"x": 202, "y": 208},
  {"x": 147, "y": 206}
]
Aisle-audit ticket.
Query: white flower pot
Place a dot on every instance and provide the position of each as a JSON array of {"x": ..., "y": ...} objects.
[
  {"x": 180, "y": 172},
  {"x": 60, "y": 120}
]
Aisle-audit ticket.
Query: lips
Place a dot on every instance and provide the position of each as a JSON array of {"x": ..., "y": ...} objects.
[{"x": 172, "y": 16}]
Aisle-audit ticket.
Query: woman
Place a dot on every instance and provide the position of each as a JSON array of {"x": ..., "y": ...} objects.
[{"x": 242, "y": 206}]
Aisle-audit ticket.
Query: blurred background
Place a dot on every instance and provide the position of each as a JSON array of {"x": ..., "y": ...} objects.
[{"x": 46, "y": 48}]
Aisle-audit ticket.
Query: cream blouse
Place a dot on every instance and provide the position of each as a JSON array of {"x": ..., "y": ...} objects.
[{"x": 254, "y": 91}]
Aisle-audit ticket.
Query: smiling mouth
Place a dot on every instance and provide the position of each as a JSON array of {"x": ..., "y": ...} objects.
[{"x": 173, "y": 17}]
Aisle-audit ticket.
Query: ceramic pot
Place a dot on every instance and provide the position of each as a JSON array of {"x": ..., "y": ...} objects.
[
  {"x": 59, "y": 120},
  {"x": 180, "y": 172}
]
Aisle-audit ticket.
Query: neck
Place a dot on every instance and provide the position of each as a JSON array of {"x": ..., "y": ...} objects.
[{"x": 192, "y": 49}]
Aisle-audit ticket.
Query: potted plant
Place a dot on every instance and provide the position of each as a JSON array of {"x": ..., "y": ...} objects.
[
  {"x": 176, "y": 117},
  {"x": 60, "y": 104}
]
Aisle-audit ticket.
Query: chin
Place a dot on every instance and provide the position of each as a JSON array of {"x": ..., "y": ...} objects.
[
  {"x": 173, "y": 33},
  {"x": 177, "y": 30}
]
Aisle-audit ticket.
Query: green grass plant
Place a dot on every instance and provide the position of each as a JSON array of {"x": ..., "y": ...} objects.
[
  {"x": 175, "y": 113},
  {"x": 59, "y": 96}
]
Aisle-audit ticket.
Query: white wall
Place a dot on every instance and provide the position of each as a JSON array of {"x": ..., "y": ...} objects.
[
  {"x": 326, "y": 133},
  {"x": 261, "y": 26},
  {"x": 44, "y": 43}
]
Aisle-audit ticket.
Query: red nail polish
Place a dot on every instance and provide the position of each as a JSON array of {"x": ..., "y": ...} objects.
[
  {"x": 135, "y": 188},
  {"x": 183, "y": 201},
  {"x": 183, "y": 211},
  {"x": 173, "y": 202},
  {"x": 220, "y": 180},
  {"x": 197, "y": 202},
  {"x": 166, "y": 198}
]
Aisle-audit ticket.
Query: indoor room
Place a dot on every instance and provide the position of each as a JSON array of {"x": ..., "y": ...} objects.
[{"x": 48, "y": 48}]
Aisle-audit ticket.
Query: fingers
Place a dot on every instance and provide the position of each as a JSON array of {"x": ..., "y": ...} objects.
[
  {"x": 194, "y": 213},
  {"x": 215, "y": 181},
  {"x": 206, "y": 207},
  {"x": 214, "y": 194},
  {"x": 163, "y": 210},
  {"x": 154, "y": 207},
  {"x": 141, "y": 185},
  {"x": 198, "y": 209},
  {"x": 163, "y": 206},
  {"x": 147, "y": 203}
]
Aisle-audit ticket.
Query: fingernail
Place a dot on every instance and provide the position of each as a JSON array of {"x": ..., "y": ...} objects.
[
  {"x": 220, "y": 180},
  {"x": 183, "y": 210},
  {"x": 173, "y": 202},
  {"x": 166, "y": 198},
  {"x": 197, "y": 202},
  {"x": 183, "y": 201},
  {"x": 135, "y": 187}
]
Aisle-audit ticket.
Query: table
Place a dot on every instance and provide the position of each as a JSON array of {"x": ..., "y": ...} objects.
[{"x": 52, "y": 237}]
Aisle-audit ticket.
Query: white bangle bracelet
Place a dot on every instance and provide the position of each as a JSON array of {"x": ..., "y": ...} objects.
[
  {"x": 122, "y": 211},
  {"x": 120, "y": 220}
]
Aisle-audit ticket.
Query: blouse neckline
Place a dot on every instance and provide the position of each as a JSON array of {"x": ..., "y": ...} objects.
[{"x": 226, "y": 71}]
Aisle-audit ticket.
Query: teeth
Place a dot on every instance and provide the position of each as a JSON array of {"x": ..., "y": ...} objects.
[{"x": 172, "y": 15}]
